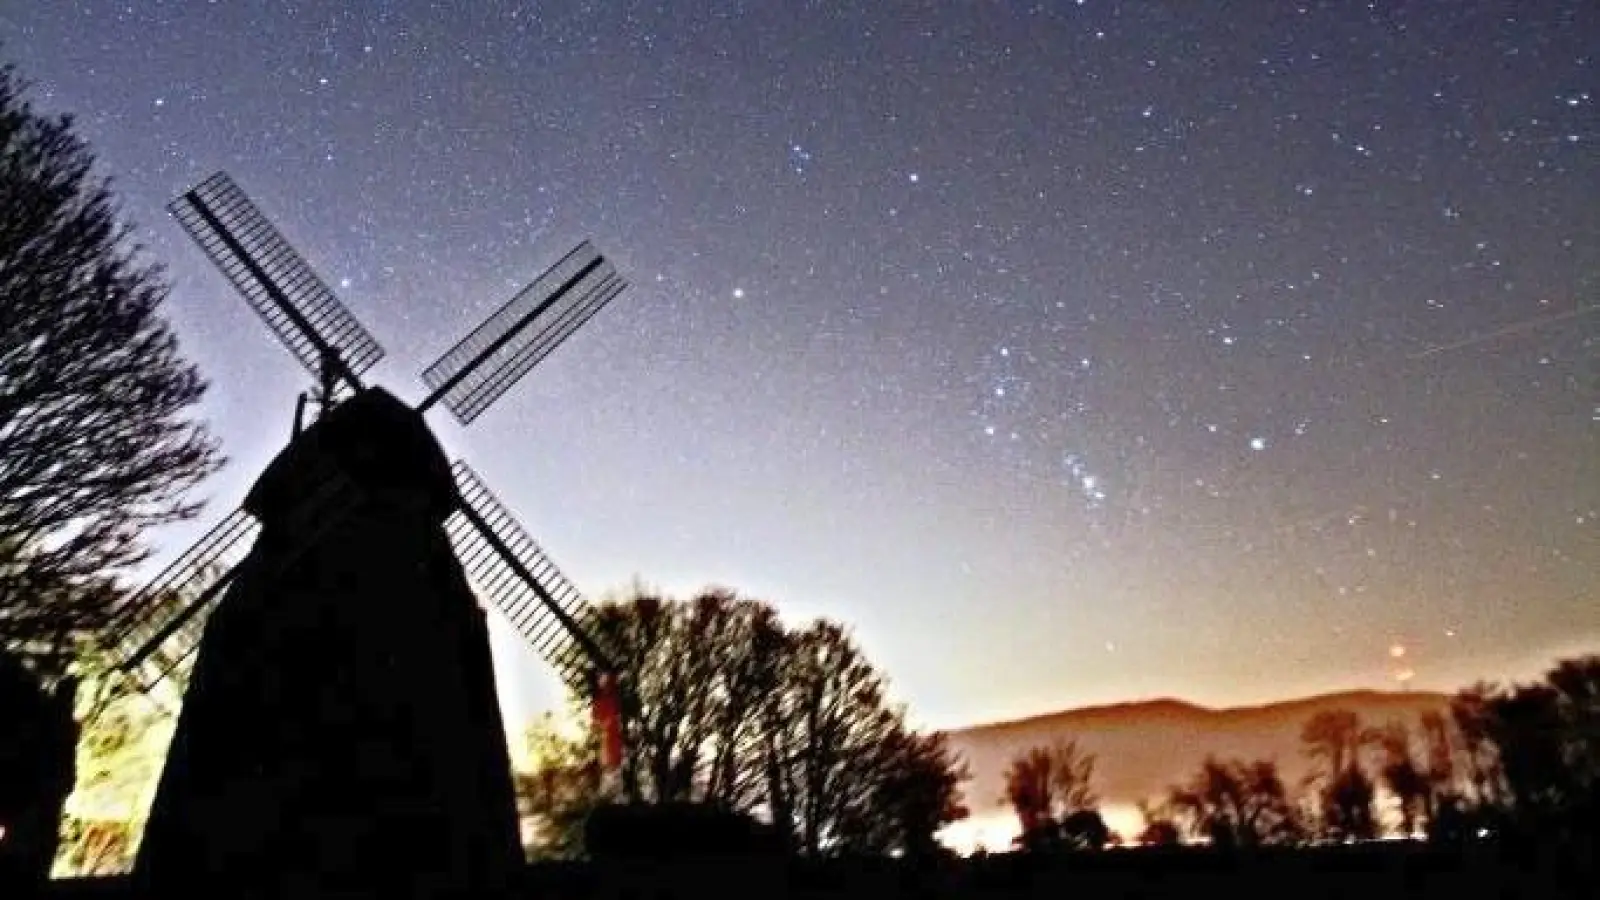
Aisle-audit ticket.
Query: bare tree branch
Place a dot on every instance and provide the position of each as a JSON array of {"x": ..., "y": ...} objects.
[{"x": 94, "y": 444}]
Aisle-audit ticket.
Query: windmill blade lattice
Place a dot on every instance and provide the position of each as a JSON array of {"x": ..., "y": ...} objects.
[
  {"x": 161, "y": 625},
  {"x": 487, "y": 362},
  {"x": 277, "y": 283},
  {"x": 511, "y": 570}
]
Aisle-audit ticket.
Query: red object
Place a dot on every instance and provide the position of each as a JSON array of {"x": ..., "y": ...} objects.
[{"x": 608, "y": 719}]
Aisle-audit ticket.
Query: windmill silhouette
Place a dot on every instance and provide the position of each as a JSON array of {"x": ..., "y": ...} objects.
[{"x": 340, "y": 729}]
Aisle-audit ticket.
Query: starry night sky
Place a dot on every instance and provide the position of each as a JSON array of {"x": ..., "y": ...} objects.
[{"x": 1070, "y": 353}]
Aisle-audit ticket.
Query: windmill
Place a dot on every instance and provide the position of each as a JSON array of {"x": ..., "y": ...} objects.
[{"x": 348, "y": 623}]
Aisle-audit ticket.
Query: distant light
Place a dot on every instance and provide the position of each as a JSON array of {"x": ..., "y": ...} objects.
[
  {"x": 738, "y": 293},
  {"x": 1397, "y": 651},
  {"x": 914, "y": 177},
  {"x": 1258, "y": 443}
]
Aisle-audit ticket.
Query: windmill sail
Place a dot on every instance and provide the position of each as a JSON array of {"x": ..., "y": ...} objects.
[
  {"x": 160, "y": 627},
  {"x": 511, "y": 570},
  {"x": 487, "y": 362},
  {"x": 283, "y": 290}
]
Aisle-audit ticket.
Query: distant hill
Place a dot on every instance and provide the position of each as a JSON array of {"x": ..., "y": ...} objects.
[{"x": 1145, "y": 747}]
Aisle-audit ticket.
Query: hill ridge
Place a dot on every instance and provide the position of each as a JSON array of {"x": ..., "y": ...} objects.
[
  {"x": 1358, "y": 696},
  {"x": 1144, "y": 747}
]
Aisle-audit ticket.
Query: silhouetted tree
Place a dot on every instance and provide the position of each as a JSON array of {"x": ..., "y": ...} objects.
[
  {"x": 1576, "y": 683},
  {"x": 1334, "y": 739},
  {"x": 1532, "y": 756},
  {"x": 1030, "y": 789},
  {"x": 1479, "y": 757},
  {"x": 1404, "y": 777},
  {"x": 1045, "y": 785},
  {"x": 694, "y": 678},
  {"x": 1237, "y": 804},
  {"x": 822, "y": 761},
  {"x": 93, "y": 444},
  {"x": 1160, "y": 833},
  {"x": 1439, "y": 766},
  {"x": 916, "y": 793},
  {"x": 1546, "y": 740},
  {"x": 1347, "y": 812},
  {"x": 729, "y": 709},
  {"x": 1084, "y": 829},
  {"x": 1159, "y": 828}
]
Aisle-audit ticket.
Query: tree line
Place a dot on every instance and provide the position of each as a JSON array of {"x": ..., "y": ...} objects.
[
  {"x": 729, "y": 708},
  {"x": 1516, "y": 762}
]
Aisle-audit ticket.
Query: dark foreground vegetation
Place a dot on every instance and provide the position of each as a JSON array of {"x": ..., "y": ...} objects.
[{"x": 1372, "y": 871}]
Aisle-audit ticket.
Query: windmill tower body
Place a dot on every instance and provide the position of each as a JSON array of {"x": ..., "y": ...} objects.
[{"x": 341, "y": 732}]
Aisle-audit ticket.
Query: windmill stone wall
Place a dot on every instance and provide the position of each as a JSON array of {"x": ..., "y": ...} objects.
[{"x": 340, "y": 735}]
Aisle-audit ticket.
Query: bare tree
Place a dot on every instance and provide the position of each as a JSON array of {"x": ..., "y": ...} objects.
[
  {"x": 726, "y": 708},
  {"x": 1237, "y": 804},
  {"x": 1047, "y": 785},
  {"x": 915, "y": 791},
  {"x": 1577, "y": 686},
  {"x": 1335, "y": 738},
  {"x": 1479, "y": 756},
  {"x": 696, "y": 678},
  {"x": 1346, "y": 802},
  {"x": 1438, "y": 755},
  {"x": 837, "y": 701},
  {"x": 94, "y": 446},
  {"x": 1405, "y": 778}
]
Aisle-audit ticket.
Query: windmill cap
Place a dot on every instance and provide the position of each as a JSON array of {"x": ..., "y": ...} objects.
[{"x": 373, "y": 439}]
